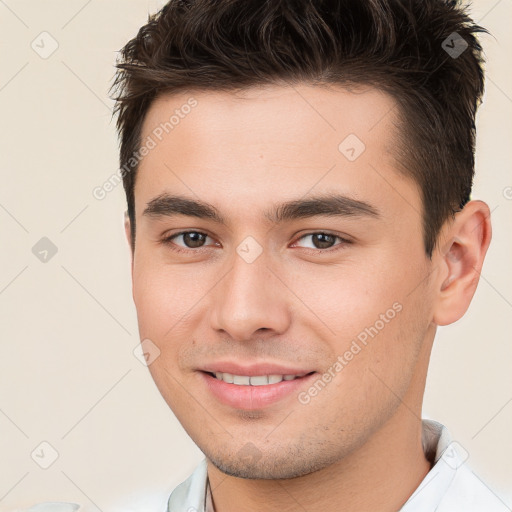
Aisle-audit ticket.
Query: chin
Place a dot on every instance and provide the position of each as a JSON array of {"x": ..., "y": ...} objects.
[{"x": 256, "y": 466}]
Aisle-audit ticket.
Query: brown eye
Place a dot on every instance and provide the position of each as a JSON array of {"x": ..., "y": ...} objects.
[
  {"x": 323, "y": 241},
  {"x": 193, "y": 239},
  {"x": 190, "y": 240}
]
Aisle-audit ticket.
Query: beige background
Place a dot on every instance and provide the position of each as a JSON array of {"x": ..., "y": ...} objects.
[{"x": 68, "y": 375}]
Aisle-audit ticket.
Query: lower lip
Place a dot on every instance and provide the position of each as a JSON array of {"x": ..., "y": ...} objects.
[{"x": 253, "y": 397}]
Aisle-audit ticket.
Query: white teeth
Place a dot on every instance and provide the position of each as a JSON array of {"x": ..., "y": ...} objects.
[
  {"x": 256, "y": 380},
  {"x": 241, "y": 380},
  {"x": 261, "y": 380},
  {"x": 227, "y": 377}
]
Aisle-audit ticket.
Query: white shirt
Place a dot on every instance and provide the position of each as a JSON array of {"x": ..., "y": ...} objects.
[{"x": 450, "y": 486}]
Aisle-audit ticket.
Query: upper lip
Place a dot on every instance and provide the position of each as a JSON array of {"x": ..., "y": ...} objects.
[{"x": 254, "y": 369}]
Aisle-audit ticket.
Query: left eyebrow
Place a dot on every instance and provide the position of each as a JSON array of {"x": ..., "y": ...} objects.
[{"x": 329, "y": 205}]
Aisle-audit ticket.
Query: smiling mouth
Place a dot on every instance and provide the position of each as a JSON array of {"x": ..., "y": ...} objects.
[{"x": 254, "y": 380}]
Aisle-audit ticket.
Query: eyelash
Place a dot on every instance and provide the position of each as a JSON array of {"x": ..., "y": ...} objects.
[{"x": 168, "y": 241}]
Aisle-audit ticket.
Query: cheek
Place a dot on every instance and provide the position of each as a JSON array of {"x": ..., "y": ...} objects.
[
  {"x": 341, "y": 301},
  {"x": 164, "y": 297},
  {"x": 373, "y": 368},
  {"x": 163, "y": 301},
  {"x": 377, "y": 316}
]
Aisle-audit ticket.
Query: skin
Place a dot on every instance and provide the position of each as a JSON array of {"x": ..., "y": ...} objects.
[{"x": 357, "y": 444}]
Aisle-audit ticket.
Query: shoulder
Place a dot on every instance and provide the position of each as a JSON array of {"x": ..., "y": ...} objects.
[
  {"x": 450, "y": 485},
  {"x": 468, "y": 492}
]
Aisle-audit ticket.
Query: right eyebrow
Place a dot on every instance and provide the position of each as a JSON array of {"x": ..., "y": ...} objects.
[{"x": 171, "y": 205}]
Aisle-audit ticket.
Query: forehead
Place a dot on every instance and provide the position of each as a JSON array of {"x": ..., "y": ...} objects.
[
  {"x": 270, "y": 142},
  {"x": 303, "y": 110}
]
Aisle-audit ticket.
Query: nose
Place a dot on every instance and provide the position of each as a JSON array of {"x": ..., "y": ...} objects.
[{"x": 250, "y": 300}]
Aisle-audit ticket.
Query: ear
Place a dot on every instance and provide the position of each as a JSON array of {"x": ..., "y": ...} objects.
[
  {"x": 128, "y": 233},
  {"x": 463, "y": 243}
]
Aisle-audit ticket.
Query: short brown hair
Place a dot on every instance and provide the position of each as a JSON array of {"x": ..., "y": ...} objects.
[{"x": 424, "y": 53}]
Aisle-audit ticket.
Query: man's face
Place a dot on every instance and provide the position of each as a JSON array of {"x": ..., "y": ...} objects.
[{"x": 292, "y": 291}]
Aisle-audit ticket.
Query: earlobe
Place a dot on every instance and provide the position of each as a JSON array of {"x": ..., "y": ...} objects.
[{"x": 466, "y": 240}]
